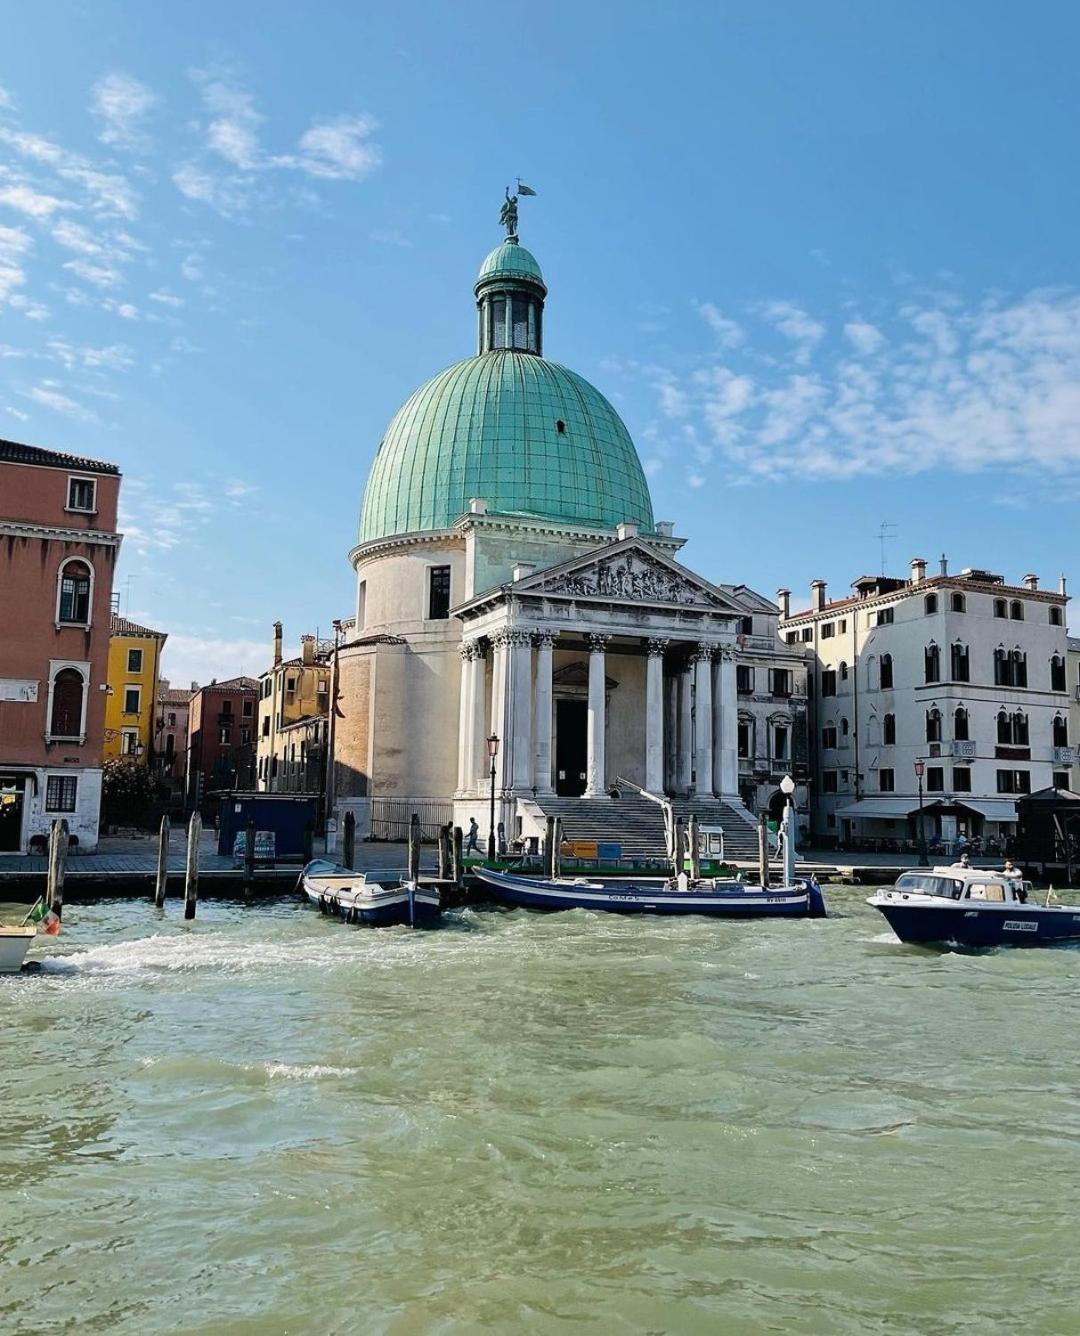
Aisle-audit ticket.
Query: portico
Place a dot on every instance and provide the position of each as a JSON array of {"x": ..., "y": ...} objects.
[{"x": 622, "y": 644}]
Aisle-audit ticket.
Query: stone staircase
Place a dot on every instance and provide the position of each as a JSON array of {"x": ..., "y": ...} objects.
[{"x": 637, "y": 824}]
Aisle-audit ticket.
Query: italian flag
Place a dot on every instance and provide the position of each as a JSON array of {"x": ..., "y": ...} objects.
[{"x": 44, "y": 917}]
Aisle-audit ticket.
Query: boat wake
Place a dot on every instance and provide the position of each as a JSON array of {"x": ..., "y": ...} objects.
[{"x": 175, "y": 953}]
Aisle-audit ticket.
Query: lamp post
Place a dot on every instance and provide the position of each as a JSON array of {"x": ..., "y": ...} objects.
[
  {"x": 920, "y": 766},
  {"x": 787, "y": 788},
  {"x": 493, "y": 751}
]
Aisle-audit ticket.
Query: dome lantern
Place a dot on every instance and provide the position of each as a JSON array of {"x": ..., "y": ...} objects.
[{"x": 510, "y": 292}]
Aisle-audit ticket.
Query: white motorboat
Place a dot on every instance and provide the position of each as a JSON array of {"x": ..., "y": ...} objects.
[
  {"x": 352, "y": 897},
  {"x": 14, "y": 944}
]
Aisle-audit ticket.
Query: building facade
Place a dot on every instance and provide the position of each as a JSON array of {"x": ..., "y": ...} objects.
[
  {"x": 57, "y": 560},
  {"x": 294, "y": 709},
  {"x": 514, "y": 592},
  {"x": 133, "y": 672},
  {"x": 963, "y": 674},
  {"x": 171, "y": 734},
  {"x": 221, "y": 741}
]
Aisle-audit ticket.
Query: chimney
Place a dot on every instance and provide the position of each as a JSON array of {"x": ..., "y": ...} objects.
[
  {"x": 944, "y": 564},
  {"x": 665, "y": 528},
  {"x": 627, "y": 530},
  {"x": 195, "y": 687},
  {"x": 1031, "y": 582},
  {"x": 307, "y": 650},
  {"x": 277, "y": 643},
  {"x": 817, "y": 594},
  {"x": 1061, "y": 585},
  {"x": 918, "y": 570},
  {"x": 783, "y": 597}
]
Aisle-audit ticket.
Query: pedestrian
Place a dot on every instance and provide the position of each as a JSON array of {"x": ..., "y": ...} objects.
[{"x": 472, "y": 844}]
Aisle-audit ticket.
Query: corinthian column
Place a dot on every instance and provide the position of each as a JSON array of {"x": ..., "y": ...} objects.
[
  {"x": 728, "y": 704},
  {"x": 521, "y": 685},
  {"x": 654, "y": 716},
  {"x": 703, "y": 724},
  {"x": 684, "y": 757},
  {"x": 545, "y": 646},
  {"x": 596, "y": 764},
  {"x": 480, "y": 713},
  {"x": 466, "y": 722}
]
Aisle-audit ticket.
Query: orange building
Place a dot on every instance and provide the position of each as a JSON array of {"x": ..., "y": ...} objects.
[{"x": 58, "y": 549}]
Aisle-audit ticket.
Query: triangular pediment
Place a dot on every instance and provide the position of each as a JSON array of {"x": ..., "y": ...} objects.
[{"x": 627, "y": 572}]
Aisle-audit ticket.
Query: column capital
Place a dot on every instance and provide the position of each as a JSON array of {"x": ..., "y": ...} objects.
[
  {"x": 702, "y": 652},
  {"x": 545, "y": 639},
  {"x": 725, "y": 653},
  {"x": 507, "y": 636},
  {"x": 471, "y": 649},
  {"x": 597, "y": 642},
  {"x": 656, "y": 646}
]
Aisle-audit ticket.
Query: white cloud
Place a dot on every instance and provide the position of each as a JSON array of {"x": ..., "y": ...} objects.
[
  {"x": 728, "y": 332},
  {"x": 340, "y": 150},
  {"x": 794, "y": 323},
  {"x": 107, "y": 193},
  {"x": 6, "y": 102},
  {"x": 122, "y": 102},
  {"x": 18, "y": 413},
  {"x": 166, "y": 298},
  {"x": 12, "y": 276},
  {"x": 192, "y": 268},
  {"x": 100, "y": 275},
  {"x": 48, "y": 396},
  {"x": 34, "y": 203},
  {"x": 863, "y": 337},
  {"x": 198, "y": 658}
]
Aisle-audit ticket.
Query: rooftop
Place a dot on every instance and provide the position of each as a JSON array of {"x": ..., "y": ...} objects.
[
  {"x": 15, "y": 452},
  {"x": 123, "y": 626}
]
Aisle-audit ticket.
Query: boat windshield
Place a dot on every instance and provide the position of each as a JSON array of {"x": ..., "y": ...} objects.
[{"x": 930, "y": 884}]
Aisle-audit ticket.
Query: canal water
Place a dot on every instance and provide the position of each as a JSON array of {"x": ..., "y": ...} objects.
[{"x": 270, "y": 1123}]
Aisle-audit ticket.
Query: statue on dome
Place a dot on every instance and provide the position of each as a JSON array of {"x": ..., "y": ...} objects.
[{"x": 508, "y": 218}]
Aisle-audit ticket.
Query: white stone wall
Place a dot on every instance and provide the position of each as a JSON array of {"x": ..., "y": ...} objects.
[{"x": 83, "y": 822}]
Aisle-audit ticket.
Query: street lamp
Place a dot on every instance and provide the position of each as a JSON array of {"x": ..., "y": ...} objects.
[
  {"x": 493, "y": 751},
  {"x": 920, "y": 766}
]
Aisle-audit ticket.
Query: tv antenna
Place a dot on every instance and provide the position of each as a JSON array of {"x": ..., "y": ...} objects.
[{"x": 885, "y": 536}]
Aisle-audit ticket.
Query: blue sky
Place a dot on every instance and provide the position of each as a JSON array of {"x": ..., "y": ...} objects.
[{"x": 822, "y": 258}]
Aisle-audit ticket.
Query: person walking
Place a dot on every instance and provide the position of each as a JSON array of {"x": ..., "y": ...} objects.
[{"x": 472, "y": 843}]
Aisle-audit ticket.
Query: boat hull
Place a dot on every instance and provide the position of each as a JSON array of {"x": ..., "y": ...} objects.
[
  {"x": 637, "y": 898},
  {"x": 334, "y": 891},
  {"x": 962, "y": 925},
  {"x": 14, "y": 944}
]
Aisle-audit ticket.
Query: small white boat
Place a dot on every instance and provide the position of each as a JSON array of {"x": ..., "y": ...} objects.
[
  {"x": 14, "y": 944},
  {"x": 352, "y": 897}
]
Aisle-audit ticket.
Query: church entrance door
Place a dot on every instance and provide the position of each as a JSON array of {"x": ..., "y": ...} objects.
[{"x": 571, "y": 747}]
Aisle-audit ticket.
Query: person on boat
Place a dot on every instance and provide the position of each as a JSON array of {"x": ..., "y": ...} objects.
[
  {"x": 472, "y": 843},
  {"x": 963, "y": 860}
]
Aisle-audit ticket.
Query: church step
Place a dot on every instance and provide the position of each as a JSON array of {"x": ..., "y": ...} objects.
[{"x": 637, "y": 824}]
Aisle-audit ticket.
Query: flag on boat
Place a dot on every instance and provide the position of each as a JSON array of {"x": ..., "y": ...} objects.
[
  {"x": 524, "y": 189},
  {"x": 44, "y": 917}
]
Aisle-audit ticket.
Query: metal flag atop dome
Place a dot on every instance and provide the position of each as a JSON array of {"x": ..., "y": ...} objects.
[
  {"x": 509, "y": 215},
  {"x": 524, "y": 189}
]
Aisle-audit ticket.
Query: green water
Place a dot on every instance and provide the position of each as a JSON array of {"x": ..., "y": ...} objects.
[{"x": 568, "y": 1123}]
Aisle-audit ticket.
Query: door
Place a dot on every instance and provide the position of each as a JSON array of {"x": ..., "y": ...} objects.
[
  {"x": 571, "y": 747},
  {"x": 11, "y": 807}
]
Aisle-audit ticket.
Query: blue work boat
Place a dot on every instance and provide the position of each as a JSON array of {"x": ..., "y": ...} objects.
[
  {"x": 716, "y": 898},
  {"x": 961, "y": 906},
  {"x": 379, "y": 904}
]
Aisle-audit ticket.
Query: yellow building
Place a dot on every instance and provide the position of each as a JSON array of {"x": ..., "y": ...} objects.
[
  {"x": 134, "y": 667},
  {"x": 294, "y": 711}
]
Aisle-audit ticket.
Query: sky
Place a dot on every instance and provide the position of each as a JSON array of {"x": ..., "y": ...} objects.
[{"x": 822, "y": 258}]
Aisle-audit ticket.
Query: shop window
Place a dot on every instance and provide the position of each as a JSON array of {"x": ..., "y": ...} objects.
[{"x": 61, "y": 793}]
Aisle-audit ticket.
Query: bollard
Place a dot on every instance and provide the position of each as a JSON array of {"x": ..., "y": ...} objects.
[
  {"x": 695, "y": 850},
  {"x": 414, "y": 847},
  {"x": 162, "y": 864},
  {"x": 457, "y": 862},
  {"x": 763, "y": 850},
  {"x": 549, "y": 848},
  {"x": 556, "y": 851},
  {"x": 444, "y": 853},
  {"x": 58, "y": 849},
  {"x": 249, "y": 850},
  {"x": 191, "y": 874},
  {"x": 348, "y": 840}
]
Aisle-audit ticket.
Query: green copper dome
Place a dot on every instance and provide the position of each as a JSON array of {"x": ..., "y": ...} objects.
[
  {"x": 510, "y": 260},
  {"x": 525, "y": 434}
]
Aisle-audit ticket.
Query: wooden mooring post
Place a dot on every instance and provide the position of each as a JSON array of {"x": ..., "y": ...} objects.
[
  {"x": 679, "y": 843},
  {"x": 414, "y": 847},
  {"x": 549, "y": 848},
  {"x": 763, "y": 850},
  {"x": 58, "y": 851},
  {"x": 457, "y": 862},
  {"x": 695, "y": 850},
  {"x": 348, "y": 840},
  {"x": 556, "y": 851},
  {"x": 161, "y": 880},
  {"x": 249, "y": 850},
  {"x": 191, "y": 874},
  {"x": 444, "y": 853}
]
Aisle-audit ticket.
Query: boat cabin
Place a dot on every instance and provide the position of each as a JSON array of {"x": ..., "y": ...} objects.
[{"x": 964, "y": 883}]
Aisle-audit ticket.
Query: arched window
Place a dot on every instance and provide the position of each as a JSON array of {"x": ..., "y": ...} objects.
[
  {"x": 1020, "y": 730},
  {"x": 930, "y": 603},
  {"x": 1004, "y": 729},
  {"x": 1012, "y": 729},
  {"x": 1061, "y": 731},
  {"x": 74, "y": 593},
  {"x": 959, "y": 663},
  {"x": 1002, "y": 668},
  {"x": 960, "y": 724},
  {"x": 1016, "y": 610},
  {"x": 886, "y": 672},
  {"x": 1019, "y": 668},
  {"x": 843, "y": 671},
  {"x": 888, "y": 730},
  {"x": 66, "y": 718},
  {"x": 843, "y": 728},
  {"x": 933, "y": 725},
  {"x": 746, "y": 737},
  {"x": 933, "y": 663},
  {"x": 1057, "y": 673},
  {"x": 1056, "y": 618},
  {"x": 958, "y": 602}
]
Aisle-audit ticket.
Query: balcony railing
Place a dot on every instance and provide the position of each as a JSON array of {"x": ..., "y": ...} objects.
[{"x": 1064, "y": 755}]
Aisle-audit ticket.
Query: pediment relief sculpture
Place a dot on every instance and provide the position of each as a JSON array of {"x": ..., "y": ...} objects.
[{"x": 630, "y": 576}]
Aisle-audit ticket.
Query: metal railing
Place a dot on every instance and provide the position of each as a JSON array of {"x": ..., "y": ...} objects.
[{"x": 390, "y": 817}]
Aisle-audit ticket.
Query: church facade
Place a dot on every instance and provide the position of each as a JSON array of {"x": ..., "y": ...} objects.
[{"x": 515, "y": 595}]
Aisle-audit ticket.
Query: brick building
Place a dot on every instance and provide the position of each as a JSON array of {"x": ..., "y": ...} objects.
[
  {"x": 57, "y": 559},
  {"x": 221, "y": 740}
]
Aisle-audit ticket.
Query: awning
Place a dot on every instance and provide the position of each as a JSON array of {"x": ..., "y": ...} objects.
[
  {"x": 994, "y": 809},
  {"x": 896, "y": 808}
]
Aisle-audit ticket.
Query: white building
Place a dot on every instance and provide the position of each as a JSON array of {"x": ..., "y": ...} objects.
[
  {"x": 962, "y": 673},
  {"x": 513, "y": 583}
]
